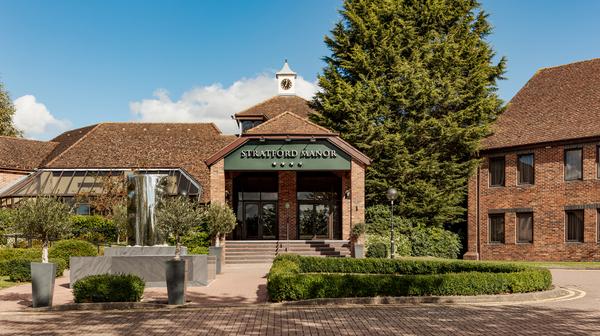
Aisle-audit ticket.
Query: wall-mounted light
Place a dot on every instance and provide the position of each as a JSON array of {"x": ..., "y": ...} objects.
[{"x": 347, "y": 193}]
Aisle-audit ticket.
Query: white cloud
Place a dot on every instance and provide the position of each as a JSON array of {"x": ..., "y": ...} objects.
[
  {"x": 34, "y": 119},
  {"x": 214, "y": 103}
]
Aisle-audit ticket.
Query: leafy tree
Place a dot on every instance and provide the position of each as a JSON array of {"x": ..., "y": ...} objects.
[
  {"x": 220, "y": 220},
  {"x": 412, "y": 83},
  {"x": 7, "y": 111},
  {"x": 43, "y": 218},
  {"x": 177, "y": 216},
  {"x": 121, "y": 220}
]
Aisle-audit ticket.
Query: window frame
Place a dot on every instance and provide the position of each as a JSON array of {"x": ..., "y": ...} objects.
[
  {"x": 490, "y": 217},
  {"x": 567, "y": 226},
  {"x": 518, "y": 223},
  {"x": 580, "y": 149},
  {"x": 497, "y": 158},
  {"x": 519, "y": 182}
]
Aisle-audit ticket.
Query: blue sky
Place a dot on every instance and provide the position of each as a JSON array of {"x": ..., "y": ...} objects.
[{"x": 73, "y": 63}]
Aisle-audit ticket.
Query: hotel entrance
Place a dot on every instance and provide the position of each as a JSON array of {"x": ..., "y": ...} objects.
[{"x": 256, "y": 196}]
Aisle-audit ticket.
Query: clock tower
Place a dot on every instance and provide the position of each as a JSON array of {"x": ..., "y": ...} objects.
[{"x": 286, "y": 80}]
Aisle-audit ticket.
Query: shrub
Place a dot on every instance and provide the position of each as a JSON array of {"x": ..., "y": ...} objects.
[
  {"x": 65, "y": 249},
  {"x": 198, "y": 250},
  {"x": 298, "y": 278},
  {"x": 109, "y": 288},
  {"x": 95, "y": 229},
  {"x": 19, "y": 270},
  {"x": 377, "y": 250},
  {"x": 358, "y": 230},
  {"x": 401, "y": 242},
  {"x": 8, "y": 254},
  {"x": 434, "y": 242}
]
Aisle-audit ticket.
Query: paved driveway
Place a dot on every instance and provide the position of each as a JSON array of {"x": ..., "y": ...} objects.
[{"x": 577, "y": 315}]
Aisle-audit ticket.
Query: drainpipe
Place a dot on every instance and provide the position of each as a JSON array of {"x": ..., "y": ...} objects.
[{"x": 478, "y": 248}]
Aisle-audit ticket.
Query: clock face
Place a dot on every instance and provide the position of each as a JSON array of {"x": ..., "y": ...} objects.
[{"x": 286, "y": 84}]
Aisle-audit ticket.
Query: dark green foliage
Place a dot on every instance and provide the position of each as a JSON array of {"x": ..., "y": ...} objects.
[
  {"x": 377, "y": 250},
  {"x": 434, "y": 242},
  {"x": 412, "y": 84},
  {"x": 95, "y": 229},
  {"x": 109, "y": 288},
  {"x": 298, "y": 278},
  {"x": 19, "y": 270},
  {"x": 64, "y": 249},
  {"x": 198, "y": 250},
  {"x": 7, "y": 254},
  {"x": 358, "y": 230},
  {"x": 7, "y": 110}
]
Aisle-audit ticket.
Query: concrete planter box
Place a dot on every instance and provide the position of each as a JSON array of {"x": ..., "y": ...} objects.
[
  {"x": 43, "y": 276},
  {"x": 358, "y": 250},
  {"x": 176, "y": 284},
  {"x": 217, "y": 251}
]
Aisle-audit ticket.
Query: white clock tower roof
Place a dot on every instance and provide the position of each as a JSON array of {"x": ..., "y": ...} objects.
[{"x": 285, "y": 70}]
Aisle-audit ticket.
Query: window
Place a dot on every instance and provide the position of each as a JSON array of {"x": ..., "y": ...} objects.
[
  {"x": 573, "y": 164},
  {"x": 497, "y": 171},
  {"x": 525, "y": 227},
  {"x": 82, "y": 209},
  {"x": 575, "y": 225},
  {"x": 497, "y": 228},
  {"x": 598, "y": 162},
  {"x": 525, "y": 168}
]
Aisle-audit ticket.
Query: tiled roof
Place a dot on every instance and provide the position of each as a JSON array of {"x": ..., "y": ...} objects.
[
  {"x": 288, "y": 123},
  {"x": 23, "y": 154},
  {"x": 144, "y": 145},
  {"x": 277, "y": 105},
  {"x": 557, "y": 104}
]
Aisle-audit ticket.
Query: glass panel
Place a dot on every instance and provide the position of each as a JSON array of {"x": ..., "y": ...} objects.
[
  {"x": 525, "y": 169},
  {"x": 497, "y": 228},
  {"x": 573, "y": 164},
  {"x": 251, "y": 196},
  {"x": 268, "y": 196},
  {"x": 525, "y": 228},
  {"x": 497, "y": 171},
  {"x": 575, "y": 226},
  {"x": 83, "y": 209},
  {"x": 251, "y": 219},
  {"x": 269, "y": 221},
  {"x": 316, "y": 221}
]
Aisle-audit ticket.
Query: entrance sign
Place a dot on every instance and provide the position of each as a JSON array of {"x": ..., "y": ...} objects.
[{"x": 287, "y": 155}]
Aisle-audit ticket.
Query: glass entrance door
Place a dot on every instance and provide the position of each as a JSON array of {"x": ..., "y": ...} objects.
[
  {"x": 259, "y": 220},
  {"x": 316, "y": 221}
]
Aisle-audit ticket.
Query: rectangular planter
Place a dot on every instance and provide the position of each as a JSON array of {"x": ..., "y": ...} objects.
[{"x": 43, "y": 276}]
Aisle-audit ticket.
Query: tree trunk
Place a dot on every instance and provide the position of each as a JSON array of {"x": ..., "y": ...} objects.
[
  {"x": 45, "y": 251},
  {"x": 177, "y": 249},
  {"x": 218, "y": 240}
]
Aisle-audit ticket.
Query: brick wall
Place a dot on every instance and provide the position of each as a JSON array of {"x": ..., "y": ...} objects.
[
  {"x": 548, "y": 198},
  {"x": 287, "y": 194}
]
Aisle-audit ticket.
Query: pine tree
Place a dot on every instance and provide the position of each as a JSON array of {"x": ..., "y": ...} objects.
[
  {"x": 412, "y": 83},
  {"x": 7, "y": 110}
]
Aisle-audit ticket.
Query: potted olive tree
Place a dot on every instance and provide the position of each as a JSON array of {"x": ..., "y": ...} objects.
[
  {"x": 42, "y": 218},
  {"x": 220, "y": 220},
  {"x": 356, "y": 239},
  {"x": 176, "y": 217}
]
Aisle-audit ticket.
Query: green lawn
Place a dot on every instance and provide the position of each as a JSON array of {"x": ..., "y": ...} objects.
[
  {"x": 564, "y": 264},
  {"x": 5, "y": 283}
]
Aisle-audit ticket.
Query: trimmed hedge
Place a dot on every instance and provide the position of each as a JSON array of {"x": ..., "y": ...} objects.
[
  {"x": 109, "y": 288},
  {"x": 65, "y": 249},
  {"x": 299, "y": 278},
  {"x": 19, "y": 270}
]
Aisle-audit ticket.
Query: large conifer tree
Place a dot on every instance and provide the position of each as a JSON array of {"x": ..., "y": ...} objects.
[
  {"x": 7, "y": 110},
  {"x": 412, "y": 83}
]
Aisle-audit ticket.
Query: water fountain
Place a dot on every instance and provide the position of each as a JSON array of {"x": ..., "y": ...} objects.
[{"x": 147, "y": 257}]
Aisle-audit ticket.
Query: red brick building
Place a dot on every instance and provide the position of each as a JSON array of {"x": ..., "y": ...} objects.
[
  {"x": 536, "y": 195},
  {"x": 285, "y": 177}
]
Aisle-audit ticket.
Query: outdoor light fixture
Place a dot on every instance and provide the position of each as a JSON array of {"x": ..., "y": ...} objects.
[{"x": 391, "y": 195}]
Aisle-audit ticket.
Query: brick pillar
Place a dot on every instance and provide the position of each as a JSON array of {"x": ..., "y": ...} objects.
[
  {"x": 287, "y": 194},
  {"x": 472, "y": 233},
  {"x": 357, "y": 196},
  {"x": 217, "y": 182}
]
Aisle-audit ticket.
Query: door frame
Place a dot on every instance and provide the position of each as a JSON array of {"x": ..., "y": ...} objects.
[{"x": 260, "y": 233}]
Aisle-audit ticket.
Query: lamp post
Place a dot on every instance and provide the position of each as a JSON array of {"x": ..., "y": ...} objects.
[{"x": 391, "y": 195}]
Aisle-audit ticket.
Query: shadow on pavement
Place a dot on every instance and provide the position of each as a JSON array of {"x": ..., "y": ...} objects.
[{"x": 334, "y": 320}]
